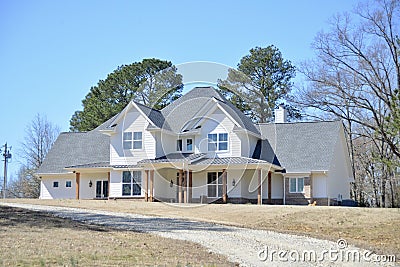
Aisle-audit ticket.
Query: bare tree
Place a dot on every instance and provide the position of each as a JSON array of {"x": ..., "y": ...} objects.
[
  {"x": 356, "y": 77},
  {"x": 40, "y": 135}
]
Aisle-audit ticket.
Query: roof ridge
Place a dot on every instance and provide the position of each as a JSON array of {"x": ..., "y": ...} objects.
[
  {"x": 296, "y": 122},
  {"x": 76, "y": 132}
]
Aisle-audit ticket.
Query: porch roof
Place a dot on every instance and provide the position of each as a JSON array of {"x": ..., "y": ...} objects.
[
  {"x": 103, "y": 165},
  {"x": 175, "y": 157},
  {"x": 228, "y": 160},
  {"x": 235, "y": 161},
  {"x": 90, "y": 165},
  {"x": 200, "y": 160}
]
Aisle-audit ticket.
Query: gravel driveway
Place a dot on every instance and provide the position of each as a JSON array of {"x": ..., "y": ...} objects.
[{"x": 246, "y": 246}]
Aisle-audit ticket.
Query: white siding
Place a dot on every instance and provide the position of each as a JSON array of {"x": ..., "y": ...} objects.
[
  {"x": 218, "y": 122},
  {"x": 199, "y": 183},
  {"x": 276, "y": 186},
  {"x": 86, "y": 192},
  {"x": 47, "y": 191},
  {"x": 166, "y": 143},
  {"x": 44, "y": 192},
  {"x": 248, "y": 144},
  {"x": 319, "y": 185},
  {"x": 234, "y": 191},
  {"x": 162, "y": 181},
  {"x": 234, "y": 144},
  {"x": 133, "y": 122},
  {"x": 115, "y": 184},
  {"x": 249, "y": 182},
  {"x": 339, "y": 172}
]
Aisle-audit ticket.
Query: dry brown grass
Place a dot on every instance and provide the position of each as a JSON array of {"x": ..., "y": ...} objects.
[
  {"x": 36, "y": 239},
  {"x": 375, "y": 229}
]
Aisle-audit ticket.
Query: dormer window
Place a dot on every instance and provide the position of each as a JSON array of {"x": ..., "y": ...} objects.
[
  {"x": 137, "y": 140},
  {"x": 223, "y": 141},
  {"x": 133, "y": 140},
  {"x": 179, "y": 145},
  {"x": 218, "y": 142},
  {"x": 189, "y": 144}
]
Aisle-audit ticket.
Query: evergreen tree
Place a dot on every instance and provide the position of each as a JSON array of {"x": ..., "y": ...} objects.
[
  {"x": 152, "y": 82},
  {"x": 262, "y": 80}
]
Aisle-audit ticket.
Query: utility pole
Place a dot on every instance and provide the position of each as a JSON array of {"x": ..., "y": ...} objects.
[{"x": 7, "y": 156}]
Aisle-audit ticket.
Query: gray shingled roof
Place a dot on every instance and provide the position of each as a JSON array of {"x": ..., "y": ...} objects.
[
  {"x": 76, "y": 149},
  {"x": 105, "y": 124},
  {"x": 299, "y": 147},
  {"x": 174, "y": 157},
  {"x": 90, "y": 165},
  {"x": 177, "y": 114},
  {"x": 185, "y": 108},
  {"x": 244, "y": 121},
  {"x": 154, "y": 115}
]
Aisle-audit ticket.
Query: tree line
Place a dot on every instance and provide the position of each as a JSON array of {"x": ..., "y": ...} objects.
[{"x": 355, "y": 77}]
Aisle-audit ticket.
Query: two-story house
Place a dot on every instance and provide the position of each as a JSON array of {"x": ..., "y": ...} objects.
[{"x": 200, "y": 148}]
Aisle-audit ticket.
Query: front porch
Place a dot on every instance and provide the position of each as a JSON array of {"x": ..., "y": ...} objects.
[{"x": 220, "y": 180}]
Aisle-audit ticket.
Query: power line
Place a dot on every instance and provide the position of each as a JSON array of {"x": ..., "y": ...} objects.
[{"x": 7, "y": 157}]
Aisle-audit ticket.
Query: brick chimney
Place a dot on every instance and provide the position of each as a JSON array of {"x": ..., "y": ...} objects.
[{"x": 280, "y": 114}]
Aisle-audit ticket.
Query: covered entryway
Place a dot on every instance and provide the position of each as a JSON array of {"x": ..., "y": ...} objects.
[{"x": 192, "y": 178}]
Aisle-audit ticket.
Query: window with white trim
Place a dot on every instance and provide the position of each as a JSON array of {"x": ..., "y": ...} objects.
[
  {"x": 214, "y": 184},
  {"x": 179, "y": 145},
  {"x": 131, "y": 183},
  {"x": 189, "y": 144},
  {"x": 127, "y": 140},
  {"x": 133, "y": 140},
  {"x": 68, "y": 184},
  {"x": 137, "y": 140},
  {"x": 223, "y": 141},
  {"x": 218, "y": 142},
  {"x": 296, "y": 185},
  {"x": 55, "y": 184}
]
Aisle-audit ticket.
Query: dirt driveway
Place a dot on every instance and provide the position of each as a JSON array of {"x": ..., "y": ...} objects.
[{"x": 247, "y": 246}]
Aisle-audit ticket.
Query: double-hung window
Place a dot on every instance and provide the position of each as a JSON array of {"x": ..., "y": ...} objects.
[
  {"x": 223, "y": 141},
  {"x": 214, "y": 184},
  {"x": 133, "y": 140},
  {"x": 296, "y": 185},
  {"x": 137, "y": 140},
  {"x": 131, "y": 183},
  {"x": 218, "y": 142},
  {"x": 179, "y": 145},
  {"x": 189, "y": 144}
]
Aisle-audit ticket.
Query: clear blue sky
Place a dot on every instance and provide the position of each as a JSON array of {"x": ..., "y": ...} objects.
[{"x": 52, "y": 52}]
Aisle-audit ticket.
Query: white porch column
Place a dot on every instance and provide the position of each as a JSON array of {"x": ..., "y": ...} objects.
[{"x": 146, "y": 186}]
